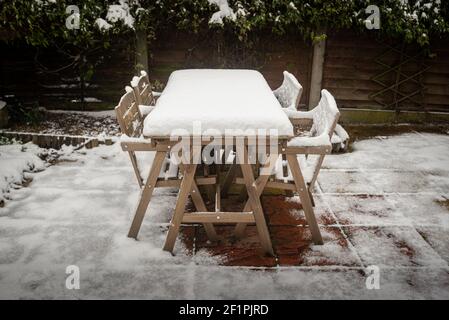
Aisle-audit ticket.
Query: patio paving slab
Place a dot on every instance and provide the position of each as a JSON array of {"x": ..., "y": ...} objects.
[
  {"x": 437, "y": 238},
  {"x": 393, "y": 246}
]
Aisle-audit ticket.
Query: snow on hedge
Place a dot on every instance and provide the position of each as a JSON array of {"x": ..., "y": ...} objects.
[
  {"x": 224, "y": 12},
  {"x": 16, "y": 162}
]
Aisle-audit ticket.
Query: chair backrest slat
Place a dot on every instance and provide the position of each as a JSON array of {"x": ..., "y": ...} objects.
[
  {"x": 326, "y": 115},
  {"x": 128, "y": 115},
  {"x": 289, "y": 93},
  {"x": 142, "y": 89}
]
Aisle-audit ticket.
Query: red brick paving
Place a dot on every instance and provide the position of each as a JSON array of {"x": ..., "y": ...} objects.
[{"x": 290, "y": 242}]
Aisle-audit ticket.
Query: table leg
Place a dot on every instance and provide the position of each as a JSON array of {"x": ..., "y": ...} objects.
[
  {"x": 301, "y": 188},
  {"x": 200, "y": 206},
  {"x": 186, "y": 187},
  {"x": 261, "y": 182},
  {"x": 254, "y": 201},
  {"x": 230, "y": 175},
  {"x": 147, "y": 193}
]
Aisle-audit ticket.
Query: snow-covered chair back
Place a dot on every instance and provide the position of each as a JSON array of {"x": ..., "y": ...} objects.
[
  {"x": 312, "y": 147},
  {"x": 289, "y": 93},
  {"x": 128, "y": 114},
  {"x": 142, "y": 89},
  {"x": 325, "y": 118},
  {"x": 325, "y": 115}
]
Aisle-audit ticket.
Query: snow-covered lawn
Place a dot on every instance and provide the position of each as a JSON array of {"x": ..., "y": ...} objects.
[{"x": 384, "y": 204}]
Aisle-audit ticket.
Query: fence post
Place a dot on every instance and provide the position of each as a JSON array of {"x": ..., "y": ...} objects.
[
  {"x": 141, "y": 50},
  {"x": 319, "y": 50}
]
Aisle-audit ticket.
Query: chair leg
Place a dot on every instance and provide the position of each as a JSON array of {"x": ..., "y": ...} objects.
[
  {"x": 316, "y": 172},
  {"x": 147, "y": 193},
  {"x": 186, "y": 187},
  {"x": 305, "y": 199},
  {"x": 200, "y": 206},
  {"x": 133, "y": 158},
  {"x": 288, "y": 193}
]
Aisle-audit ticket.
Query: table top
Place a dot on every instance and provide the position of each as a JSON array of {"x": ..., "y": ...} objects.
[{"x": 216, "y": 101}]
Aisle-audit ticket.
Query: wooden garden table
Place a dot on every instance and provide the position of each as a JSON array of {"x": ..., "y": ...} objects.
[{"x": 230, "y": 100}]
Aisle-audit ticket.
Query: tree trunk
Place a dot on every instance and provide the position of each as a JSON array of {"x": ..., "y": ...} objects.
[{"x": 141, "y": 51}]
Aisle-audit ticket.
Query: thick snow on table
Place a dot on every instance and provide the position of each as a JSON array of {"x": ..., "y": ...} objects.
[{"x": 220, "y": 100}]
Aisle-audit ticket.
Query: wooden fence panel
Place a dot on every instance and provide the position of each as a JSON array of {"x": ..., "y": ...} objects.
[
  {"x": 364, "y": 73},
  {"x": 353, "y": 63},
  {"x": 271, "y": 57}
]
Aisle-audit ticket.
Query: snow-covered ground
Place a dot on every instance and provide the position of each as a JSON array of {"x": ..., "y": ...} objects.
[{"x": 387, "y": 199}]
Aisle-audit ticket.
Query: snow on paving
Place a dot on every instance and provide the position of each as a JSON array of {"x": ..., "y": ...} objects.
[{"x": 387, "y": 200}]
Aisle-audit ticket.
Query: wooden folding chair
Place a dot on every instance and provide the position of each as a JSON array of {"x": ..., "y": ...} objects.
[
  {"x": 290, "y": 91},
  {"x": 163, "y": 173},
  {"x": 314, "y": 144},
  {"x": 304, "y": 157},
  {"x": 145, "y": 97},
  {"x": 289, "y": 95},
  {"x": 131, "y": 124}
]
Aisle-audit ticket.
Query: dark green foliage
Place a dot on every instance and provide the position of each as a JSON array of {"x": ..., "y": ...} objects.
[{"x": 42, "y": 23}]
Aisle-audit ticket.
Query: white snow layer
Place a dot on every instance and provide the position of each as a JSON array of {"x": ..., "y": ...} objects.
[
  {"x": 289, "y": 92},
  {"x": 102, "y": 24},
  {"x": 384, "y": 196},
  {"x": 145, "y": 110},
  {"x": 120, "y": 12},
  {"x": 16, "y": 161},
  {"x": 224, "y": 12},
  {"x": 231, "y": 101}
]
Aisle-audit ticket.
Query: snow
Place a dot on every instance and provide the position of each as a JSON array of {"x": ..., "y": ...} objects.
[
  {"x": 16, "y": 161},
  {"x": 381, "y": 200},
  {"x": 125, "y": 139},
  {"x": 228, "y": 101},
  {"x": 94, "y": 114},
  {"x": 323, "y": 116},
  {"x": 128, "y": 89},
  {"x": 318, "y": 141},
  {"x": 294, "y": 114},
  {"x": 102, "y": 24},
  {"x": 289, "y": 92},
  {"x": 145, "y": 110},
  {"x": 87, "y": 99},
  {"x": 224, "y": 12},
  {"x": 120, "y": 12},
  {"x": 134, "y": 81},
  {"x": 341, "y": 132}
]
